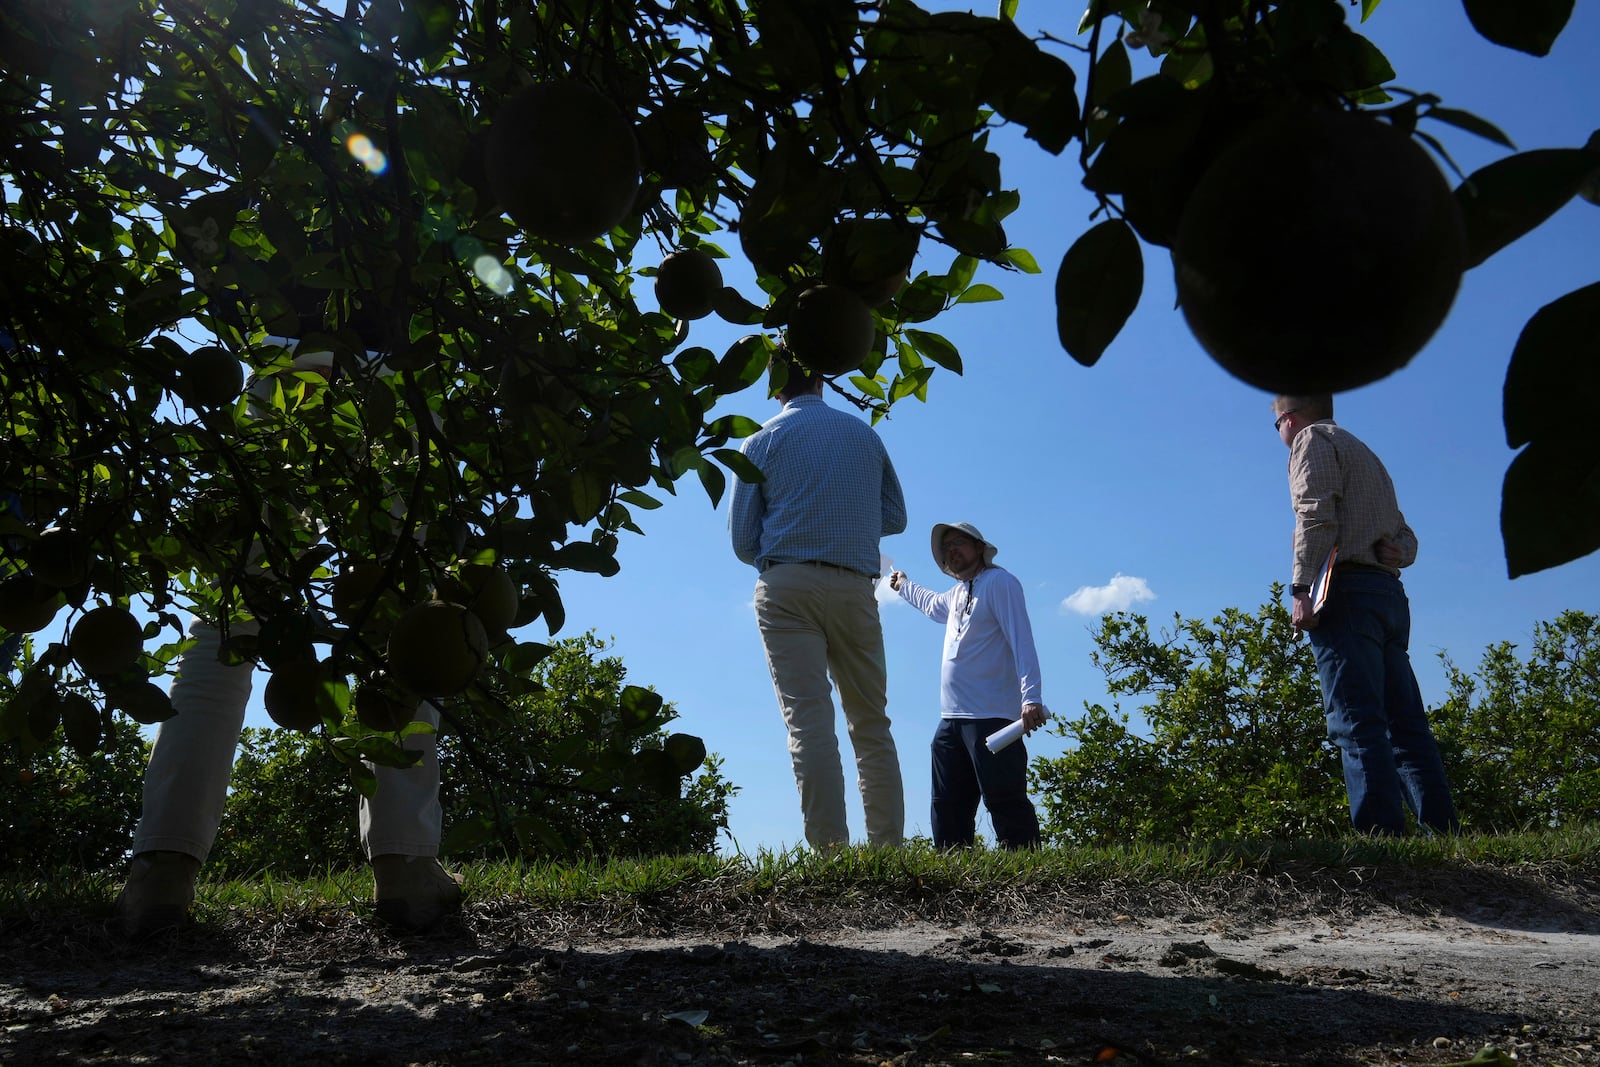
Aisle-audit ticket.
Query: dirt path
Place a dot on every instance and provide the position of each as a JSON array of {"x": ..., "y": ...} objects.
[{"x": 1253, "y": 973}]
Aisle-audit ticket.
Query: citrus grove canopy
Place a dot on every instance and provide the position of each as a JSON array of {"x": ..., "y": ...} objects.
[{"x": 482, "y": 193}]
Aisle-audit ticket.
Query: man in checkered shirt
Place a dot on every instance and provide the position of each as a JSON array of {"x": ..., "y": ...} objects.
[
  {"x": 811, "y": 530},
  {"x": 1343, "y": 497}
]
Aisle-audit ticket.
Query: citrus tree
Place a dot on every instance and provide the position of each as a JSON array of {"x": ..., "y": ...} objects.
[
  {"x": 94, "y": 791},
  {"x": 1521, "y": 733},
  {"x": 365, "y": 320},
  {"x": 510, "y": 790},
  {"x": 423, "y": 233},
  {"x": 562, "y": 773},
  {"x": 1234, "y": 740}
]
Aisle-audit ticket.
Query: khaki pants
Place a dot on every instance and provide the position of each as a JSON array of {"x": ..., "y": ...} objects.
[
  {"x": 191, "y": 764},
  {"x": 816, "y": 621}
]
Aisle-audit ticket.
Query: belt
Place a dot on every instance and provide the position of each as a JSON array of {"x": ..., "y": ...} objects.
[
  {"x": 1373, "y": 567},
  {"x": 814, "y": 563}
]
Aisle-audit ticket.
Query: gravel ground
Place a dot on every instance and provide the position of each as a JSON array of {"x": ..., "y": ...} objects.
[{"x": 1345, "y": 967}]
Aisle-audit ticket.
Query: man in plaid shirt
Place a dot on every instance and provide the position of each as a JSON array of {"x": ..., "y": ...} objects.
[
  {"x": 811, "y": 530},
  {"x": 1343, "y": 498}
]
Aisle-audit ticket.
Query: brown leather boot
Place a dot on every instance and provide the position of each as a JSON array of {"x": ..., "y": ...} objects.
[
  {"x": 414, "y": 892},
  {"x": 157, "y": 893}
]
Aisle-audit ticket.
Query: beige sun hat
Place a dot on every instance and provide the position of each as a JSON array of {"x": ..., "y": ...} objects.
[{"x": 937, "y": 538}]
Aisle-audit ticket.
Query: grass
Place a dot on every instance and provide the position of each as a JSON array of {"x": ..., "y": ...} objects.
[{"x": 881, "y": 885}]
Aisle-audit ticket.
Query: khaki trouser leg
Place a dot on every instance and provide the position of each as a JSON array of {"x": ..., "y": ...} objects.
[
  {"x": 811, "y": 619},
  {"x": 860, "y": 670},
  {"x": 191, "y": 763},
  {"x": 404, "y": 818}
]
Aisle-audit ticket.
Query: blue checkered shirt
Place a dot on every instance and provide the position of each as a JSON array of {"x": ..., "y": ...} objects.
[{"x": 830, "y": 495}]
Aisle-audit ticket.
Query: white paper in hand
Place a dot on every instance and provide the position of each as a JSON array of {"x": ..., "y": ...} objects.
[
  {"x": 883, "y": 590},
  {"x": 1004, "y": 736}
]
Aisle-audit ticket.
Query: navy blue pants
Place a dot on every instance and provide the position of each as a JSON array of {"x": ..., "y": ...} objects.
[
  {"x": 965, "y": 771},
  {"x": 1374, "y": 708}
]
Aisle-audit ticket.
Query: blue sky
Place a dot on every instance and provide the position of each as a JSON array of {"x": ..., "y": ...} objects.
[{"x": 1153, "y": 474}]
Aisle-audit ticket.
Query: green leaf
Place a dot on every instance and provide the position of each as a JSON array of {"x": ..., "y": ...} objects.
[
  {"x": 638, "y": 704},
  {"x": 1022, "y": 259},
  {"x": 525, "y": 657},
  {"x": 1555, "y": 367},
  {"x": 743, "y": 364},
  {"x": 1113, "y": 72},
  {"x": 907, "y": 385},
  {"x": 1101, "y": 9},
  {"x": 1031, "y": 87},
  {"x": 1160, "y": 122},
  {"x": 714, "y": 481},
  {"x": 936, "y": 348},
  {"x": 732, "y": 426},
  {"x": 870, "y": 386},
  {"x": 587, "y": 491},
  {"x": 731, "y": 306},
  {"x": 695, "y": 365},
  {"x": 1368, "y": 7},
  {"x": 1530, "y": 26},
  {"x": 586, "y": 556},
  {"x": 793, "y": 199},
  {"x": 639, "y": 499},
  {"x": 1348, "y": 62},
  {"x": 1466, "y": 120},
  {"x": 684, "y": 460},
  {"x": 740, "y": 465},
  {"x": 979, "y": 294},
  {"x": 1097, "y": 287},
  {"x": 1008, "y": 10},
  {"x": 1511, "y": 196},
  {"x": 1550, "y": 503}
]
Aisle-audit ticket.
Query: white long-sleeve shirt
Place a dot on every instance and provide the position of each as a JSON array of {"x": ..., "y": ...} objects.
[{"x": 991, "y": 668}]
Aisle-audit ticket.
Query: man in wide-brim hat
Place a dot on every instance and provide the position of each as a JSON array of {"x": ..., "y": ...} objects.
[{"x": 990, "y": 678}]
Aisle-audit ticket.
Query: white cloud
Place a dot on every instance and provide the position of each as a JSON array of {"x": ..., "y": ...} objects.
[{"x": 1119, "y": 594}]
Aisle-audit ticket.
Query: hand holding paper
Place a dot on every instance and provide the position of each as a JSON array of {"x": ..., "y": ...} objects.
[{"x": 1004, "y": 736}]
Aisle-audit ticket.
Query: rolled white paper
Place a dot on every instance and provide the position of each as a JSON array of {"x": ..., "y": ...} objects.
[
  {"x": 1004, "y": 736},
  {"x": 882, "y": 589}
]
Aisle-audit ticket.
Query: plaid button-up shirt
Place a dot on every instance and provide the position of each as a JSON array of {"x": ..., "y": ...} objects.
[
  {"x": 1342, "y": 495},
  {"x": 830, "y": 492}
]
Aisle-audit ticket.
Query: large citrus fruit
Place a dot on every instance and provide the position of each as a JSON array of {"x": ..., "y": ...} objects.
[
  {"x": 687, "y": 284},
  {"x": 60, "y": 557},
  {"x": 383, "y": 705},
  {"x": 27, "y": 605},
  {"x": 871, "y": 257},
  {"x": 437, "y": 648},
  {"x": 299, "y": 694},
  {"x": 486, "y": 591},
  {"x": 80, "y": 722},
  {"x": 563, "y": 161},
  {"x": 358, "y": 591},
  {"x": 830, "y": 329},
  {"x": 1319, "y": 252},
  {"x": 145, "y": 702},
  {"x": 686, "y": 751},
  {"x": 212, "y": 376},
  {"x": 106, "y": 641}
]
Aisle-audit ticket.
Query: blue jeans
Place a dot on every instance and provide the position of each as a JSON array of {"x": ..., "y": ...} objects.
[
  {"x": 965, "y": 771},
  {"x": 1374, "y": 708}
]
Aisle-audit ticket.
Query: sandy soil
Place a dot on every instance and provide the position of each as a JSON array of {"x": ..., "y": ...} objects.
[{"x": 1348, "y": 967}]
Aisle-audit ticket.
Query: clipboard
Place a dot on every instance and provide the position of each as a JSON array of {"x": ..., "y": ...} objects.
[{"x": 1324, "y": 579}]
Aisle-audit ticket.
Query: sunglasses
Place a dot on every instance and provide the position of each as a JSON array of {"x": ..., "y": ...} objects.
[{"x": 1277, "y": 423}]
